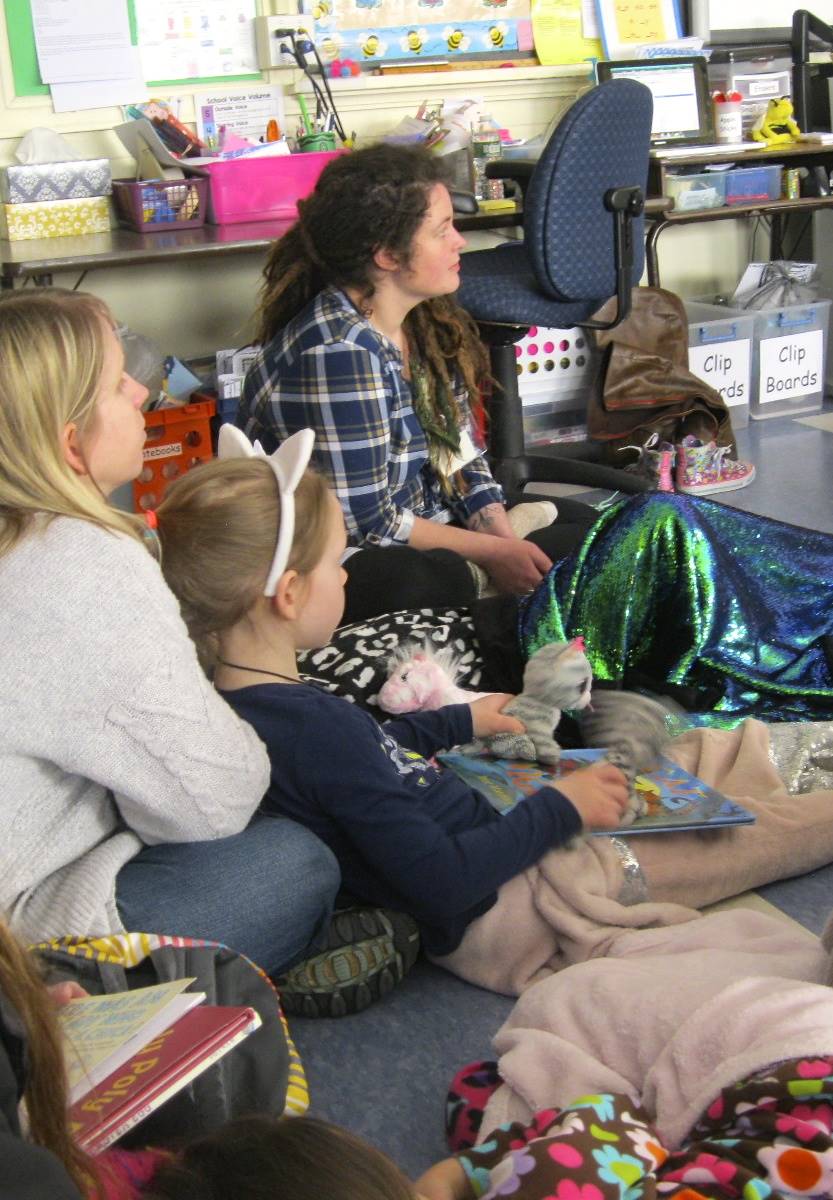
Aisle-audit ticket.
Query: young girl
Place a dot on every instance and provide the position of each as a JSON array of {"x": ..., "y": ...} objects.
[
  {"x": 130, "y": 787},
  {"x": 407, "y": 835}
]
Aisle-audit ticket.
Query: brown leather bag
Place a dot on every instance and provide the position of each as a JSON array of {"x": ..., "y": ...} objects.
[{"x": 644, "y": 385}]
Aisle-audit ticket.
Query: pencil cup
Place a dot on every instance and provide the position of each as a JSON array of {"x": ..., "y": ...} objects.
[
  {"x": 317, "y": 141},
  {"x": 728, "y": 120}
]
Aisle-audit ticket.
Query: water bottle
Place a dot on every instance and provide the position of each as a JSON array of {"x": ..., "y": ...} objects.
[{"x": 485, "y": 145}]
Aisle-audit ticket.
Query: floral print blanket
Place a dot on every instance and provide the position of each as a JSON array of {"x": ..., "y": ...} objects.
[{"x": 770, "y": 1135}]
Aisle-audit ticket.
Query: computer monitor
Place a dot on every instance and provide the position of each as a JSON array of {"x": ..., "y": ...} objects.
[{"x": 682, "y": 101}]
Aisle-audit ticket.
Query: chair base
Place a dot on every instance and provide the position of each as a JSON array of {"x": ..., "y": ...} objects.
[{"x": 563, "y": 463}]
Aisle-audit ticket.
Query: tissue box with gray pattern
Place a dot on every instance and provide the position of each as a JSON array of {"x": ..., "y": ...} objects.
[{"x": 31, "y": 183}]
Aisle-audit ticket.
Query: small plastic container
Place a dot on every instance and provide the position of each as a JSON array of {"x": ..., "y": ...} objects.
[
  {"x": 149, "y": 205},
  {"x": 753, "y": 185},
  {"x": 550, "y": 421},
  {"x": 177, "y": 439},
  {"x": 720, "y": 342},
  {"x": 788, "y": 360},
  {"x": 263, "y": 189},
  {"x": 692, "y": 193},
  {"x": 556, "y": 368}
]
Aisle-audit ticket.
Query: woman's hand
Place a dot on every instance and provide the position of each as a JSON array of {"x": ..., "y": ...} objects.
[
  {"x": 514, "y": 565},
  {"x": 598, "y": 793},
  {"x": 488, "y": 717}
]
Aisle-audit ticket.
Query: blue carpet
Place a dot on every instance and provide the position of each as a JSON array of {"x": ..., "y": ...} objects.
[{"x": 384, "y": 1073}]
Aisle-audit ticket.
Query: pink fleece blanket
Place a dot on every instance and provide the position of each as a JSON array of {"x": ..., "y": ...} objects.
[
  {"x": 669, "y": 1017},
  {"x": 573, "y": 905}
]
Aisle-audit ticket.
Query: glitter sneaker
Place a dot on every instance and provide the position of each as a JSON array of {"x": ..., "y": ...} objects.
[
  {"x": 704, "y": 468},
  {"x": 655, "y": 463}
]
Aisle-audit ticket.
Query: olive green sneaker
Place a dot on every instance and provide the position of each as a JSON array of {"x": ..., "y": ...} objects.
[{"x": 368, "y": 951}]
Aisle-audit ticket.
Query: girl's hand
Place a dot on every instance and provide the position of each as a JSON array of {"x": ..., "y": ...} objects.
[
  {"x": 599, "y": 793},
  {"x": 62, "y": 993},
  {"x": 488, "y": 718},
  {"x": 514, "y": 565},
  {"x": 446, "y": 1180}
]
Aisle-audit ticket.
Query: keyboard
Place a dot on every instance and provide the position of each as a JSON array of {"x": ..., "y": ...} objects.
[{"x": 727, "y": 149}]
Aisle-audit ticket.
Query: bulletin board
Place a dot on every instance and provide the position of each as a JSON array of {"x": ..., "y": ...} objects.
[
  {"x": 370, "y": 31},
  {"x": 26, "y": 75}
]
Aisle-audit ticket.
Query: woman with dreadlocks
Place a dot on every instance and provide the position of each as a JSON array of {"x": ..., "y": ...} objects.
[{"x": 362, "y": 342}]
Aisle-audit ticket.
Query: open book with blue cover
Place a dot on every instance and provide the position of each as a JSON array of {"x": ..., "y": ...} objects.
[{"x": 675, "y": 798}]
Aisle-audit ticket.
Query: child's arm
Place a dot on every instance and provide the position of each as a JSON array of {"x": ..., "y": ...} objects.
[
  {"x": 446, "y": 1180},
  {"x": 436, "y": 729},
  {"x": 466, "y": 1175},
  {"x": 442, "y": 728}
]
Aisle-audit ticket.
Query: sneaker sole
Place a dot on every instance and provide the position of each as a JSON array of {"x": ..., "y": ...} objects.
[
  {"x": 369, "y": 952},
  {"x": 710, "y": 489}
]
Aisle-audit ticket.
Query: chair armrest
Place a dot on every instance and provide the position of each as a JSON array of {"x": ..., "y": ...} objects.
[
  {"x": 518, "y": 170},
  {"x": 462, "y": 201},
  {"x": 657, "y": 205}
]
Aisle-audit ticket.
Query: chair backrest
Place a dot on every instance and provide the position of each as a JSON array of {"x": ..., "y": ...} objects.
[{"x": 601, "y": 142}]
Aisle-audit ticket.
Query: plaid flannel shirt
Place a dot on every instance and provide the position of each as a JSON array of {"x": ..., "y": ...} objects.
[{"x": 329, "y": 370}]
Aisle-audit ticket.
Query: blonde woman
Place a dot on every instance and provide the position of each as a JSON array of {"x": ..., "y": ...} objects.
[{"x": 130, "y": 788}]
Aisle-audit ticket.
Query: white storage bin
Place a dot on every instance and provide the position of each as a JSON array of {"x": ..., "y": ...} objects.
[
  {"x": 556, "y": 369},
  {"x": 788, "y": 359},
  {"x": 720, "y": 343}
]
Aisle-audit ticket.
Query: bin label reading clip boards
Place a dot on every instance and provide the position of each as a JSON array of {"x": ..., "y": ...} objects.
[
  {"x": 725, "y": 367},
  {"x": 791, "y": 366}
]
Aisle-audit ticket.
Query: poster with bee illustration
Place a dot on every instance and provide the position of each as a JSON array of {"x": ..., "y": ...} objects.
[{"x": 371, "y": 31}]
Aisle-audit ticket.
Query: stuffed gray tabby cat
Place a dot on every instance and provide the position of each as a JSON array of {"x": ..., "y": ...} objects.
[
  {"x": 556, "y": 677},
  {"x": 630, "y": 727}
]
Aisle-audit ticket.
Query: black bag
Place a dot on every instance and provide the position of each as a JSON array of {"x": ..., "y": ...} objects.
[{"x": 263, "y": 1073}]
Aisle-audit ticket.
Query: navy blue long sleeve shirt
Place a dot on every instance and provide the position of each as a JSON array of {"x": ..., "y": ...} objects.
[{"x": 407, "y": 834}]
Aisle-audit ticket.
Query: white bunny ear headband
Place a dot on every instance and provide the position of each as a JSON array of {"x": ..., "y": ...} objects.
[{"x": 289, "y": 463}]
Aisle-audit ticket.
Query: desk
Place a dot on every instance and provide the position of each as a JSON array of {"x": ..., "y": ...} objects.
[
  {"x": 40, "y": 258},
  {"x": 800, "y": 155}
]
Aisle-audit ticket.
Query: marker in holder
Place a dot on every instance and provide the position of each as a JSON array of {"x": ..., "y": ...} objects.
[{"x": 317, "y": 141}]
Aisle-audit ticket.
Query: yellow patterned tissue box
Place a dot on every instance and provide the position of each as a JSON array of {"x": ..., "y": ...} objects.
[{"x": 56, "y": 218}]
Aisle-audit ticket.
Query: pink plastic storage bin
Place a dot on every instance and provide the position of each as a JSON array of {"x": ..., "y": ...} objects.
[{"x": 262, "y": 189}]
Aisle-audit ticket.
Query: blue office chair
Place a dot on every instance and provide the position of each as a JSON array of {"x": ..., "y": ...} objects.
[{"x": 583, "y": 243}]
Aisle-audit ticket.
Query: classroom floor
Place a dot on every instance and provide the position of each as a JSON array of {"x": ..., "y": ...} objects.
[{"x": 383, "y": 1073}]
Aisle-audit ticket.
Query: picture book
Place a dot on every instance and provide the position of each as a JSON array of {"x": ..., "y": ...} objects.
[
  {"x": 102, "y": 1032},
  {"x": 676, "y": 800},
  {"x": 156, "y": 1072}
]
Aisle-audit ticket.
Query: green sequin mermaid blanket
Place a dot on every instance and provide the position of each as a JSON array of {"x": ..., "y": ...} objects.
[{"x": 730, "y": 608}]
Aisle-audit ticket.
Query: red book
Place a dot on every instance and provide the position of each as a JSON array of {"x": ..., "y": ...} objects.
[{"x": 157, "y": 1072}]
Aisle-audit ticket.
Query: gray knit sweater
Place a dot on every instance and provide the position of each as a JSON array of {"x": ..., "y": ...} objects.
[{"x": 111, "y": 737}]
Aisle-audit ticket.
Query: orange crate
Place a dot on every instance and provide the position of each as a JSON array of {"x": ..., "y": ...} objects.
[{"x": 177, "y": 440}]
